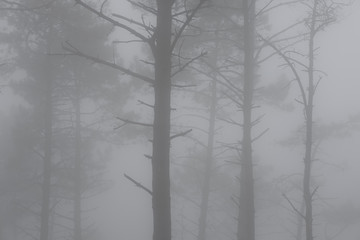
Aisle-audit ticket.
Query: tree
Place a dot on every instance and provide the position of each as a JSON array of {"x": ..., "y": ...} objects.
[
  {"x": 246, "y": 220},
  {"x": 172, "y": 18},
  {"x": 49, "y": 90},
  {"x": 321, "y": 13}
]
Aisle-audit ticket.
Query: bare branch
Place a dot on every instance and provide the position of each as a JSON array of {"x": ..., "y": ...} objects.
[
  {"x": 264, "y": 8},
  {"x": 115, "y": 23},
  {"x": 291, "y": 65},
  {"x": 138, "y": 184},
  {"x": 277, "y": 34},
  {"x": 260, "y": 135},
  {"x": 314, "y": 191},
  {"x": 293, "y": 207},
  {"x": 183, "y": 86},
  {"x": 68, "y": 47},
  {"x": 239, "y": 103},
  {"x": 181, "y": 68},
  {"x": 148, "y": 156},
  {"x": 257, "y": 120},
  {"x": 189, "y": 18},
  {"x": 231, "y": 121},
  {"x": 146, "y": 104},
  {"x": 128, "y": 41},
  {"x": 102, "y": 5},
  {"x": 131, "y": 21},
  {"x": 232, "y": 87},
  {"x": 126, "y": 121},
  {"x": 180, "y": 134},
  {"x": 143, "y": 6},
  {"x": 267, "y": 8}
]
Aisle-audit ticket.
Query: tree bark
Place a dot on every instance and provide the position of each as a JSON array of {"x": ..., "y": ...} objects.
[
  {"x": 246, "y": 220},
  {"x": 161, "y": 135}
]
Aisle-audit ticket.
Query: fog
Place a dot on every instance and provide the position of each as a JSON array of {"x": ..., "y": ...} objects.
[{"x": 196, "y": 119}]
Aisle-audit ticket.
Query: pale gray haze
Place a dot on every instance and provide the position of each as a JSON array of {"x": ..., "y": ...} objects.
[{"x": 179, "y": 120}]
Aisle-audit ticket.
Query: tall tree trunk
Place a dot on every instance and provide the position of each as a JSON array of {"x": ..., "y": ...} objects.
[
  {"x": 246, "y": 220},
  {"x": 161, "y": 136},
  {"x": 308, "y": 195},
  {"x": 46, "y": 182},
  {"x": 204, "y": 205},
  {"x": 77, "y": 166}
]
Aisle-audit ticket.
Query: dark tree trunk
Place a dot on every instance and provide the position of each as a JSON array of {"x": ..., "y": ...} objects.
[
  {"x": 246, "y": 220},
  {"x": 161, "y": 136}
]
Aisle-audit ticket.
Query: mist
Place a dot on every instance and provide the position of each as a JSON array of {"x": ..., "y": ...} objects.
[{"x": 179, "y": 120}]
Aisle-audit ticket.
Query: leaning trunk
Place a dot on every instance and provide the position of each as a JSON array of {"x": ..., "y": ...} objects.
[
  {"x": 161, "y": 135},
  {"x": 246, "y": 220}
]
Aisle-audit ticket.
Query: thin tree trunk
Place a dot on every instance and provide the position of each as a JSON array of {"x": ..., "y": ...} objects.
[
  {"x": 77, "y": 167},
  {"x": 161, "y": 136},
  {"x": 309, "y": 131},
  {"x": 46, "y": 184},
  {"x": 246, "y": 220},
  {"x": 208, "y": 165}
]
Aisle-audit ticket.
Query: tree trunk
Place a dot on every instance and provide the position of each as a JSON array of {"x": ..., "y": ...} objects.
[
  {"x": 77, "y": 166},
  {"x": 300, "y": 222},
  {"x": 204, "y": 205},
  {"x": 46, "y": 184},
  {"x": 161, "y": 135},
  {"x": 246, "y": 220},
  {"x": 308, "y": 195}
]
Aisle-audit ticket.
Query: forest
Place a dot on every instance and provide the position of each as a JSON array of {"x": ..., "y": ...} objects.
[{"x": 179, "y": 120}]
